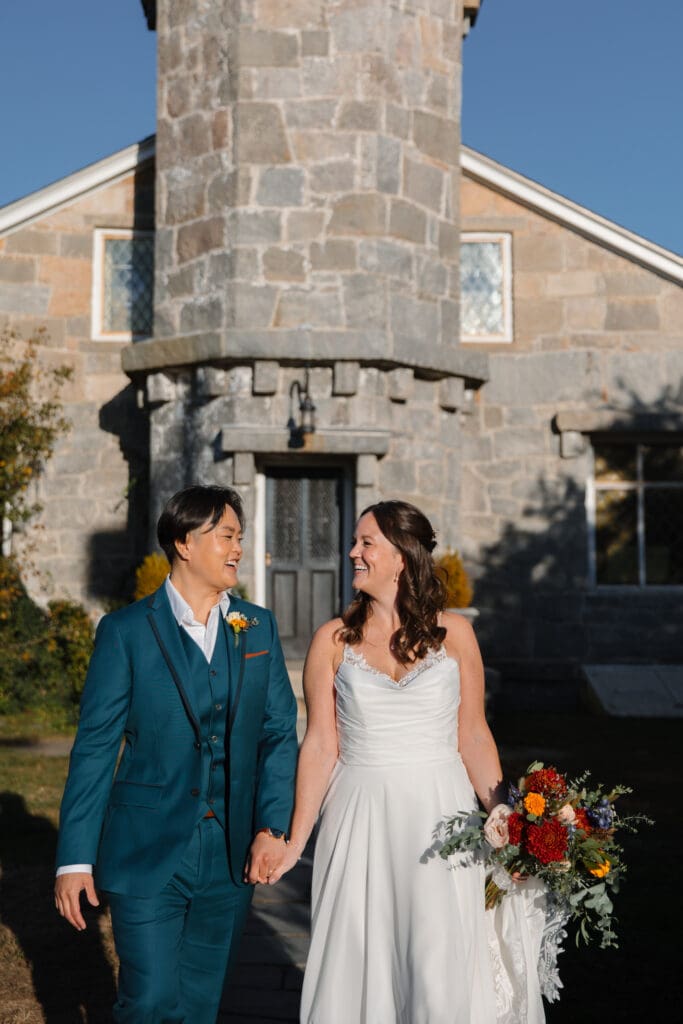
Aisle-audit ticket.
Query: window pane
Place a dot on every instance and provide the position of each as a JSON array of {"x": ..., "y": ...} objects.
[
  {"x": 323, "y": 519},
  {"x": 286, "y": 513},
  {"x": 663, "y": 463},
  {"x": 128, "y": 285},
  {"x": 615, "y": 462},
  {"x": 481, "y": 287},
  {"x": 664, "y": 535},
  {"x": 616, "y": 536}
]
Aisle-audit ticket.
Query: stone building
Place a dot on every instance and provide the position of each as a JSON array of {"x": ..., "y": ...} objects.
[{"x": 316, "y": 220}]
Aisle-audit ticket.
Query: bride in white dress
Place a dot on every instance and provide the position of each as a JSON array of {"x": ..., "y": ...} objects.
[{"x": 396, "y": 740}]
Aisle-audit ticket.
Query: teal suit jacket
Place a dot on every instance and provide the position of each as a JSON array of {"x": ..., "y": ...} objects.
[{"x": 134, "y": 826}]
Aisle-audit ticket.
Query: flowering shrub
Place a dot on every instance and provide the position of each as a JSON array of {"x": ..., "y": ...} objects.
[
  {"x": 150, "y": 574},
  {"x": 452, "y": 571},
  {"x": 559, "y": 831}
]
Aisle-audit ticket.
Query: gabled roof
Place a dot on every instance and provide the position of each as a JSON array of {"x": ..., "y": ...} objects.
[
  {"x": 96, "y": 176},
  {"x": 474, "y": 165},
  {"x": 550, "y": 204}
]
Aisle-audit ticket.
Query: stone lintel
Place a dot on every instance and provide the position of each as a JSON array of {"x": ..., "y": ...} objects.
[
  {"x": 366, "y": 347},
  {"x": 596, "y": 421},
  {"x": 330, "y": 442}
]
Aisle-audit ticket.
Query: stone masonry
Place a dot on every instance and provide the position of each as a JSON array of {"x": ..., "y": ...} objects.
[
  {"x": 308, "y": 213},
  {"x": 93, "y": 529},
  {"x": 598, "y": 348}
]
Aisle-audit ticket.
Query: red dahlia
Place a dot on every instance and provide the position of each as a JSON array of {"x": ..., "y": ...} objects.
[
  {"x": 547, "y": 842},
  {"x": 515, "y": 827},
  {"x": 548, "y": 782}
]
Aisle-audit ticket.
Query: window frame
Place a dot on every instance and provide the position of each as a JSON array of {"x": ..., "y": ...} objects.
[
  {"x": 100, "y": 237},
  {"x": 639, "y": 486},
  {"x": 504, "y": 238}
]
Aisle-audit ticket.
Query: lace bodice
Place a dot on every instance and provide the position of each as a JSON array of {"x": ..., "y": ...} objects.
[{"x": 381, "y": 721}]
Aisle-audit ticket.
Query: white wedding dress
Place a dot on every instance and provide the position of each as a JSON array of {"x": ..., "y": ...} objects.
[{"x": 400, "y": 935}]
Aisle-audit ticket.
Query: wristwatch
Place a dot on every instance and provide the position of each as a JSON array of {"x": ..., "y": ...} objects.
[{"x": 274, "y": 833}]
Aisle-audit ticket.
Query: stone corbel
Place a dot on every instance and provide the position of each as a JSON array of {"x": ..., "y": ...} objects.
[{"x": 160, "y": 388}]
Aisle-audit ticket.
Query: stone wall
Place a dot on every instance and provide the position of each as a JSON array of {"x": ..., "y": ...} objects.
[
  {"x": 92, "y": 532},
  {"x": 598, "y": 340}
]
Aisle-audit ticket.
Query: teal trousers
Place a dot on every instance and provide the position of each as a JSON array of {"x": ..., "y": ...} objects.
[{"x": 176, "y": 948}]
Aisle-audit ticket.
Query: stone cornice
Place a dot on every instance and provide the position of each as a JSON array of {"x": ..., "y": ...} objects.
[{"x": 369, "y": 348}]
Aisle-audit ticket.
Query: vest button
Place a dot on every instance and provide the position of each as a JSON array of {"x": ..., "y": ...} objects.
[
  {"x": 219, "y": 707},
  {"x": 214, "y": 739},
  {"x": 194, "y": 792},
  {"x": 197, "y": 745}
]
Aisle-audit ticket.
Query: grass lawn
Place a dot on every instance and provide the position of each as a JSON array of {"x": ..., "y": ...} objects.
[{"x": 44, "y": 963}]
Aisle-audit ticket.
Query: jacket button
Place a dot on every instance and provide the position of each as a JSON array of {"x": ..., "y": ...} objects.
[
  {"x": 213, "y": 671},
  {"x": 194, "y": 792},
  {"x": 197, "y": 745}
]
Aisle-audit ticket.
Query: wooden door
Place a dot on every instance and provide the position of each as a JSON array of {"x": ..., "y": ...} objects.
[{"x": 304, "y": 520}]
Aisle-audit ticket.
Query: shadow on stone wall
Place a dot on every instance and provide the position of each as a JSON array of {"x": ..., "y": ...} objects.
[
  {"x": 113, "y": 555},
  {"x": 540, "y": 617}
]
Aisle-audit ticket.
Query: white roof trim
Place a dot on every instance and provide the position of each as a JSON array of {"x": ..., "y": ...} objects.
[
  {"x": 589, "y": 224},
  {"x": 48, "y": 200}
]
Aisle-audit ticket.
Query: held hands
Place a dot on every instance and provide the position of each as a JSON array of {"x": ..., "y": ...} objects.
[
  {"x": 68, "y": 889},
  {"x": 269, "y": 859}
]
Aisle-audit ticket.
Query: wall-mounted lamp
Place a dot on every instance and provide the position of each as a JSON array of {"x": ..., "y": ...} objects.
[{"x": 306, "y": 409}]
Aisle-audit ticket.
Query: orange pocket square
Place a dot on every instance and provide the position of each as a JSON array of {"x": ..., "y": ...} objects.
[{"x": 255, "y": 654}]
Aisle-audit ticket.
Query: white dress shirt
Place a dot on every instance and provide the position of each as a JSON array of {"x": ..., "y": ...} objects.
[{"x": 205, "y": 638}]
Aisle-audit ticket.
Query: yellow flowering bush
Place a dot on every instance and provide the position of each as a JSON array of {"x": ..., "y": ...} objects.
[
  {"x": 450, "y": 568},
  {"x": 150, "y": 574}
]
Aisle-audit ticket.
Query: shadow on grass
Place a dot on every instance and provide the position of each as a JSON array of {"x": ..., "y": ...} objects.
[{"x": 72, "y": 978}]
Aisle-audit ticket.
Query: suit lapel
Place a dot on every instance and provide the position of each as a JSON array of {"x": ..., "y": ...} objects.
[
  {"x": 236, "y": 652},
  {"x": 167, "y": 635}
]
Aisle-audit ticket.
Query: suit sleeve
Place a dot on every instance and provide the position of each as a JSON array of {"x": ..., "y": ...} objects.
[
  {"x": 104, "y": 709},
  {"x": 278, "y": 746}
]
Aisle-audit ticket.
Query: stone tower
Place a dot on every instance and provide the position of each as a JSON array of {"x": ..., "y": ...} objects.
[{"x": 307, "y": 236}]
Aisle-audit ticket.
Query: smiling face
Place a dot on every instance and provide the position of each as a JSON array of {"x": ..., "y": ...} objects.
[
  {"x": 377, "y": 564},
  {"x": 211, "y": 555}
]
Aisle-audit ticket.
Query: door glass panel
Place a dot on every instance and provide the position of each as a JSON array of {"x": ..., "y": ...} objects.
[
  {"x": 616, "y": 534},
  {"x": 286, "y": 519},
  {"x": 323, "y": 519}
]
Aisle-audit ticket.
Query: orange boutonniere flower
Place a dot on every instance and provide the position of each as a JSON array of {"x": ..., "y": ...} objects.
[{"x": 239, "y": 622}]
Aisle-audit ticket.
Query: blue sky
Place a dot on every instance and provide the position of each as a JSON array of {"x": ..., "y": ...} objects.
[{"x": 584, "y": 98}]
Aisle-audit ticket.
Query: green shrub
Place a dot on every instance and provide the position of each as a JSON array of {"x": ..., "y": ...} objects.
[
  {"x": 452, "y": 571},
  {"x": 45, "y": 654}
]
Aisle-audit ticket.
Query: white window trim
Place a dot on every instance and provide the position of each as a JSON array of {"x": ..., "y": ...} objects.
[
  {"x": 505, "y": 238},
  {"x": 100, "y": 235},
  {"x": 640, "y": 486}
]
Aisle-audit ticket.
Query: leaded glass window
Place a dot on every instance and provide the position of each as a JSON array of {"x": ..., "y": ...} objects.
[
  {"x": 486, "y": 287},
  {"x": 124, "y": 284},
  {"x": 637, "y": 511}
]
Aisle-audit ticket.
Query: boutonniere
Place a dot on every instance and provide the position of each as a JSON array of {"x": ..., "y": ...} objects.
[{"x": 238, "y": 622}]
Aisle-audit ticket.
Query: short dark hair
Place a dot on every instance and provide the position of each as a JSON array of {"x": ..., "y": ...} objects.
[{"x": 191, "y": 508}]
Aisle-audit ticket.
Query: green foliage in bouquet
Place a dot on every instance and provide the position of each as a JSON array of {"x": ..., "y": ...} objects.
[
  {"x": 450, "y": 568},
  {"x": 557, "y": 830},
  {"x": 45, "y": 653},
  {"x": 150, "y": 574}
]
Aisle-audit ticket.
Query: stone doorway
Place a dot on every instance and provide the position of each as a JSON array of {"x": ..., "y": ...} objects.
[{"x": 307, "y": 538}]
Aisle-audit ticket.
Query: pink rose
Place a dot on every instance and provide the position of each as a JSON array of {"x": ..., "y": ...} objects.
[
  {"x": 566, "y": 814},
  {"x": 496, "y": 826}
]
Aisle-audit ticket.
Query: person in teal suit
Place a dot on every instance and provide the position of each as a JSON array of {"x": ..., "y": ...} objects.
[{"x": 193, "y": 680}]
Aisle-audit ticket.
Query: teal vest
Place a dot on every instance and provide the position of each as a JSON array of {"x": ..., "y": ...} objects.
[{"x": 211, "y": 696}]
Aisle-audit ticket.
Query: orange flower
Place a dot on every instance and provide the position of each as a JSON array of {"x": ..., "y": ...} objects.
[
  {"x": 602, "y": 869},
  {"x": 534, "y": 803}
]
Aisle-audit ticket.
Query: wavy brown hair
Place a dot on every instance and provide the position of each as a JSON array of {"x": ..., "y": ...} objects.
[{"x": 421, "y": 592}]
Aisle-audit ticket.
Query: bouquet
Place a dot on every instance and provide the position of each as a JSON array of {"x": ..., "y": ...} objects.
[{"x": 562, "y": 832}]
